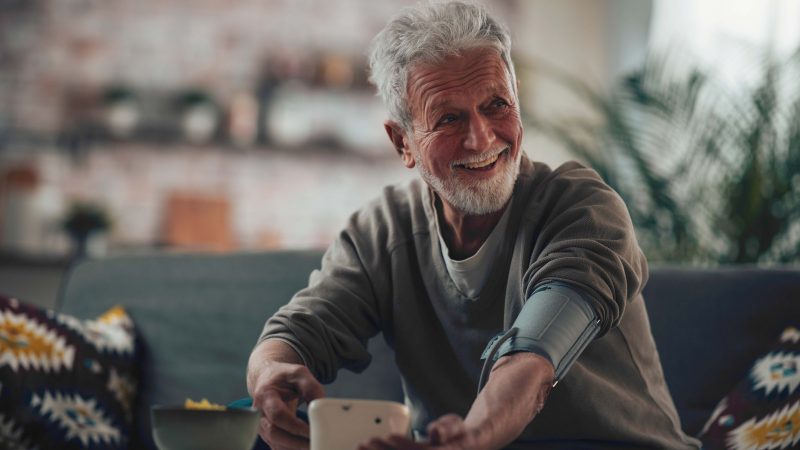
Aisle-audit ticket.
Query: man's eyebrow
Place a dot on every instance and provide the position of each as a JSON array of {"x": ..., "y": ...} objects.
[
  {"x": 439, "y": 104},
  {"x": 490, "y": 92}
]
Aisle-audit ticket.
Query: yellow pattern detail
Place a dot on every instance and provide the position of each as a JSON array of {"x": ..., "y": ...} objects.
[
  {"x": 20, "y": 338},
  {"x": 778, "y": 430},
  {"x": 114, "y": 315},
  {"x": 790, "y": 334}
]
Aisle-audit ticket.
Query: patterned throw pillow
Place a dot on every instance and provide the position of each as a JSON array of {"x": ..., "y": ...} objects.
[
  {"x": 65, "y": 383},
  {"x": 763, "y": 411}
]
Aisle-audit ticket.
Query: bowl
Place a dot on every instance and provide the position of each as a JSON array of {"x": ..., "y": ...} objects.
[{"x": 179, "y": 428}]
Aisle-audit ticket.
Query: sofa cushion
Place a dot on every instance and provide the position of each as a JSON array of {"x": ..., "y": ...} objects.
[
  {"x": 65, "y": 383},
  {"x": 763, "y": 411},
  {"x": 711, "y": 324}
]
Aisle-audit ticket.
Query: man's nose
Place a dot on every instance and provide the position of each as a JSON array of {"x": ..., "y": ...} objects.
[{"x": 480, "y": 135}]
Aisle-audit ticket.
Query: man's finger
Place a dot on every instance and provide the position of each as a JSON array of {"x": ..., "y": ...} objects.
[
  {"x": 375, "y": 444},
  {"x": 403, "y": 442},
  {"x": 280, "y": 416},
  {"x": 310, "y": 388},
  {"x": 278, "y": 438}
]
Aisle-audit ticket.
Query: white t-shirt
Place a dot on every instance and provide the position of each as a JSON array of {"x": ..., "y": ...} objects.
[{"x": 469, "y": 275}]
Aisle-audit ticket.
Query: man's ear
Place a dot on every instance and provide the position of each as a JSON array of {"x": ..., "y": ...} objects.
[{"x": 400, "y": 141}]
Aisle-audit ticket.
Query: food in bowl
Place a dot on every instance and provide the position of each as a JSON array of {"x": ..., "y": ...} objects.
[
  {"x": 206, "y": 427},
  {"x": 202, "y": 404}
]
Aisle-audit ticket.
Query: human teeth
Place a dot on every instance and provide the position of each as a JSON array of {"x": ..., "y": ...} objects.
[{"x": 484, "y": 163}]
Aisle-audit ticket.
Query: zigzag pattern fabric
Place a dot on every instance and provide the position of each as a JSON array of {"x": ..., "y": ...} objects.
[
  {"x": 763, "y": 411},
  {"x": 65, "y": 383}
]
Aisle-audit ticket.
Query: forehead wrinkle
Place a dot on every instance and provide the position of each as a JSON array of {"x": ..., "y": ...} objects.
[
  {"x": 435, "y": 102},
  {"x": 444, "y": 90}
]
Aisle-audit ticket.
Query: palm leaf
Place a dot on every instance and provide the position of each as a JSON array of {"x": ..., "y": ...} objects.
[{"x": 710, "y": 174}]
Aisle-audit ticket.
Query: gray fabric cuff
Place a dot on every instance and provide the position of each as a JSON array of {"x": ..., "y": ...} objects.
[{"x": 556, "y": 322}]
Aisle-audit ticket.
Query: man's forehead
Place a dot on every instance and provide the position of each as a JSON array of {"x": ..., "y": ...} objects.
[
  {"x": 477, "y": 72},
  {"x": 466, "y": 59}
]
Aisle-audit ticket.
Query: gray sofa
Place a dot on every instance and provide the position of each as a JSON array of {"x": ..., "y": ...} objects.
[{"x": 198, "y": 316}]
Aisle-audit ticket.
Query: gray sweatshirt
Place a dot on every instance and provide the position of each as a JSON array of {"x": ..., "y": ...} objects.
[{"x": 385, "y": 273}]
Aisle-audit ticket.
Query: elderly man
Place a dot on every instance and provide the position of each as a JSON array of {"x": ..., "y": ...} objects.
[{"x": 490, "y": 260}]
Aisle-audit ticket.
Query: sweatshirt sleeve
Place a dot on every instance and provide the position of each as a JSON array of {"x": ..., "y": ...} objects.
[
  {"x": 585, "y": 238},
  {"x": 329, "y": 322}
]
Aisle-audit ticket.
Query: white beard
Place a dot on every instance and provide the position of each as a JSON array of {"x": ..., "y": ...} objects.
[{"x": 474, "y": 197}]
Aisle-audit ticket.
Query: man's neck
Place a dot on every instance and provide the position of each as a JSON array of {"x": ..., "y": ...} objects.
[{"x": 465, "y": 234}]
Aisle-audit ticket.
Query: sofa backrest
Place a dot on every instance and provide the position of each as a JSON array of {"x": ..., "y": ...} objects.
[
  {"x": 199, "y": 315},
  {"x": 710, "y": 325}
]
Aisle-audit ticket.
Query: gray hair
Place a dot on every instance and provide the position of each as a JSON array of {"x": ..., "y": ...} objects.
[{"x": 426, "y": 34}]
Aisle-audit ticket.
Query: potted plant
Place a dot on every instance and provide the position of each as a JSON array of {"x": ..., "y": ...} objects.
[
  {"x": 121, "y": 111},
  {"x": 199, "y": 115},
  {"x": 709, "y": 172},
  {"x": 83, "y": 222}
]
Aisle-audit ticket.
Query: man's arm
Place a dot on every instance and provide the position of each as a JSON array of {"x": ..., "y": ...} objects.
[
  {"x": 516, "y": 391},
  {"x": 555, "y": 325},
  {"x": 324, "y": 327},
  {"x": 278, "y": 382}
]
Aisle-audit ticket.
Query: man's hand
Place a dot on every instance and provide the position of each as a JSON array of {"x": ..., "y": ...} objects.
[
  {"x": 278, "y": 382},
  {"x": 517, "y": 389},
  {"x": 445, "y": 433}
]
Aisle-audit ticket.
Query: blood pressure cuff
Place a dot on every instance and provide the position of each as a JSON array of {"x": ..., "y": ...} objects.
[{"x": 556, "y": 322}]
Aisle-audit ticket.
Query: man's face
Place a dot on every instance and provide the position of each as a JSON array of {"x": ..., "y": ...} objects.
[{"x": 466, "y": 130}]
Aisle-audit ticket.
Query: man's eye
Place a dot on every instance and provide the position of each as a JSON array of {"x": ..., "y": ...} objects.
[
  {"x": 448, "y": 118},
  {"x": 499, "y": 103}
]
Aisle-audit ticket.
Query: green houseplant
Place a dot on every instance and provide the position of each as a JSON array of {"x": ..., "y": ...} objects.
[
  {"x": 710, "y": 172},
  {"x": 81, "y": 221},
  {"x": 199, "y": 115},
  {"x": 122, "y": 110}
]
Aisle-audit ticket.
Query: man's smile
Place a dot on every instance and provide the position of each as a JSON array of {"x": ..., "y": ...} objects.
[{"x": 485, "y": 164}]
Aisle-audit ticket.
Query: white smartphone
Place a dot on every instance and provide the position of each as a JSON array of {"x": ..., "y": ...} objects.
[{"x": 342, "y": 423}]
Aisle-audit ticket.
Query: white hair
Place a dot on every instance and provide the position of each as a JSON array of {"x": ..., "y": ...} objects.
[{"x": 426, "y": 34}]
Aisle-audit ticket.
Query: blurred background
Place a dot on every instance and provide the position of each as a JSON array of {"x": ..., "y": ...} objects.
[{"x": 247, "y": 125}]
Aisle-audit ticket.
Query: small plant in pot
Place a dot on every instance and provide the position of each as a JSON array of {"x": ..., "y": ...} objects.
[
  {"x": 82, "y": 222},
  {"x": 199, "y": 116},
  {"x": 122, "y": 114}
]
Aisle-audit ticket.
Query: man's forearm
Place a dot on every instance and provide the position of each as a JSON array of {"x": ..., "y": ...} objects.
[
  {"x": 268, "y": 351},
  {"x": 515, "y": 392}
]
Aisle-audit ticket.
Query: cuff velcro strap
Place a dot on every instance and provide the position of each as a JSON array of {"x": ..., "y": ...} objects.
[{"x": 556, "y": 322}]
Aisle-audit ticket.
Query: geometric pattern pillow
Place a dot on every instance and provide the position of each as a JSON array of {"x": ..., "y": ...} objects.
[
  {"x": 763, "y": 411},
  {"x": 65, "y": 383}
]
